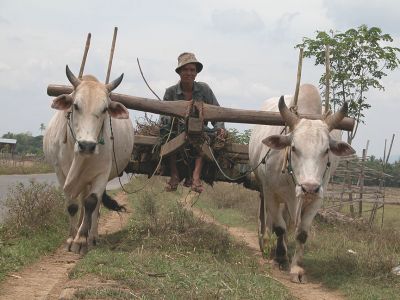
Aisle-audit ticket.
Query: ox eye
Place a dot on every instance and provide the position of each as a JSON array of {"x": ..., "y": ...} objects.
[
  {"x": 104, "y": 110},
  {"x": 76, "y": 106},
  {"x": 293, "y": 149},
  {"x": 327, "y": 151}
]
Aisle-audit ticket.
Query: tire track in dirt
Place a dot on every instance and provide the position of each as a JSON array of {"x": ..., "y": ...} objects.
[
  {"x": 47, "y": 278},
  {"x": 308, "y": 291}
]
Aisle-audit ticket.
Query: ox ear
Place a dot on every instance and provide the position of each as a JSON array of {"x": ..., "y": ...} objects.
[
  {"x": 62, "y": 102},
  {"x": 277, "y": 142},
  {"x": 117, "y": 110},
  {"x": 340, "y": 148}
]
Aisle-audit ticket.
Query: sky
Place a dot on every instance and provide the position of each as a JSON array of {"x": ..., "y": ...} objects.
[{"x": 246, "y": 47}]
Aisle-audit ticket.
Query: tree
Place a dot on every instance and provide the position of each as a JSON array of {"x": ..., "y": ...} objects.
[
  {"x": 359, "y": 59},
  {"x": 42, "y": 128},
  {"x": 26, "y": 143},
  {"x": 239, "y": 137}
]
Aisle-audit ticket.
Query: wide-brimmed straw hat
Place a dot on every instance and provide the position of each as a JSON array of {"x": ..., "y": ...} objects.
[{"x": 188, "y": 58}]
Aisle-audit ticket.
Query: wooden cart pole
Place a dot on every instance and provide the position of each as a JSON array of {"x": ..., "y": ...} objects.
[
  {"x": 327, "y": 78},
  {"x": 299, "y": 67},
  {"x": 111, "y": 55},
  {"x": 85, "y": 55}
]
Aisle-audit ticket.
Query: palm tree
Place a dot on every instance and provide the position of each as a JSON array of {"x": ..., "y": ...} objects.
[{"x": 42, "y": 128}]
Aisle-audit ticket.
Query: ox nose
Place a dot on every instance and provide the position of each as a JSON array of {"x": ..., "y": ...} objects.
[
  {"x": 86, "y": 147},
  {"x": 310, "y": 188}
]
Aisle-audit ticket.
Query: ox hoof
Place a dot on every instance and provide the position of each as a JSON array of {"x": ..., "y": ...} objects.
[
  {"x": 80, "y": 246},
  {"x": 93, "y": 242},
  {"x": 298, "y": 278},
  {"x": 68, "y": 244},
  {"x": 297, "y": 275}
]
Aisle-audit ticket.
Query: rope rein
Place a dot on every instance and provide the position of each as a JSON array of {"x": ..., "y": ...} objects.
[
  {"x": 293, "y": 175},
  {"x": 262, "y": 161}
]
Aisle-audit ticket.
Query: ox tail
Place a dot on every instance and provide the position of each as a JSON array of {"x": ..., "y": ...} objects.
[{"x": 112, "y": 204}]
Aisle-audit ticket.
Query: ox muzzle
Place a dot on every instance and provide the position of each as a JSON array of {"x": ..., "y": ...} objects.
[
  {"x": 310, "y": 188},
  {"x": 86, "y": 147}
]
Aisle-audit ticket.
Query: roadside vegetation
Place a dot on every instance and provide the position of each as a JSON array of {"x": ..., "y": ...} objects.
[
  {"x": 35, "y": 224},
  {"x": 350, "y": 257},
  {"x": 165, "y": 252}
]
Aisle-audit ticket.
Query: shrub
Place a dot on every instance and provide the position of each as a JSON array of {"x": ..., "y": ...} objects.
[{"x": 33, "y": 207}]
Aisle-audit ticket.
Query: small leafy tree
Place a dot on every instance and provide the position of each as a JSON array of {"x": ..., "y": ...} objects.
[
  {"x": 239, "y": 137},
  {"x": 359, "y": 59}
]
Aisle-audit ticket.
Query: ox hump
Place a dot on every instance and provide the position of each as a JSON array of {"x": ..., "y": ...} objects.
[{"x": 89, "y": 78}]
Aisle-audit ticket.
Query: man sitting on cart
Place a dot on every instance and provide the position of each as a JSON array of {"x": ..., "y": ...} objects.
[{"x": 188, "y": 89}]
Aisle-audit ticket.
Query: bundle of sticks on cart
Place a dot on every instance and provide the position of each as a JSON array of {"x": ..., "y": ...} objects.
[{"x": 226, "y": 161}]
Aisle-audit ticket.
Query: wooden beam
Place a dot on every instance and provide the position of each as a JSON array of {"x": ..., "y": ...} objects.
[
  {"x": 210, "y": 112},
  {"x": 170, "y": 108},
  {"x": 224, "y": 114},
  {"x": 173, "y": 145},
  {"x": 237, "y": 148},
  {"x": 146, "y": 140}
]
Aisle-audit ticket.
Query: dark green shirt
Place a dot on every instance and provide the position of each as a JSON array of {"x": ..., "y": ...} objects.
[{"x": 201, "y": 91}]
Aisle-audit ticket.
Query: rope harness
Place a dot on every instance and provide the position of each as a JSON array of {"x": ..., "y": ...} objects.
[
  {"x": 291, "y": 171},
  {"x": 70, "y": 119}
]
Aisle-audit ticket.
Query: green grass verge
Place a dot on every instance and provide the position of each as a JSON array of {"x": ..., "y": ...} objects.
[
  {"x": 18, "y": 252},
  {"x": 167, "y": 253},
  {"x": 231, "y": 205},
  {"x": 363, "y": 275}
]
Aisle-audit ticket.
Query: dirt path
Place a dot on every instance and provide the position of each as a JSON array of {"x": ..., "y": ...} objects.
[
  {"x": 47, "y": 278},
  {"x": 309, "y": 291}
]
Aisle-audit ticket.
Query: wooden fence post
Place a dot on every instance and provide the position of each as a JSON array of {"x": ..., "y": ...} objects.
[{"x": 362, "y": 176}]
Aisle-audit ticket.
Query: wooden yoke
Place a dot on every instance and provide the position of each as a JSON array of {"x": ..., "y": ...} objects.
[{"x": 210, "y": 112}]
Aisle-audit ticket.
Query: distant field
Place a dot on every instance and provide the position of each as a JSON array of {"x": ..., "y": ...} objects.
[{"x": 24, "y": 166}]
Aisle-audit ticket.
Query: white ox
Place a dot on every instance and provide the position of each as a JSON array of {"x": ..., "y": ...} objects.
[
  {"x": 310, "y": 152},
  {"x": 86, "y": 141}
]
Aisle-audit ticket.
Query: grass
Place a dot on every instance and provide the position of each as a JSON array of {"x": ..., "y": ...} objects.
[
  {"x": 231, "y": 204},
  {"x": 363, "y": 275},
  {"x": 167, "y": 253},
  {"x": 391, "y": 214},
  {"x": 28, "y": 167},
  {"x": 35, "y": 225}
]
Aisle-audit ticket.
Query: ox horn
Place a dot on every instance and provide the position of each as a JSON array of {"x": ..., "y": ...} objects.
[
  {"x": 289, "y": 117},
  {"x": 71, "y": 77},
  {"x": 114, "y": 84},
  {"x": 333, "y": 120}
]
